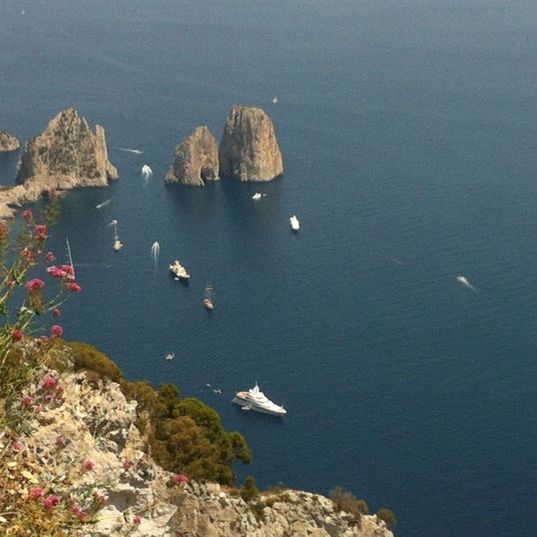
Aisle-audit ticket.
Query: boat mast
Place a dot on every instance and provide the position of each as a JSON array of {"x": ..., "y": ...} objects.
[{"x": 70, "y": 257}]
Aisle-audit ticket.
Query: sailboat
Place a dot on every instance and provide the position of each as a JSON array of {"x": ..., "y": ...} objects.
[
  {"x": 208, "y": 302},
  {"x": 117, "y": 243}
]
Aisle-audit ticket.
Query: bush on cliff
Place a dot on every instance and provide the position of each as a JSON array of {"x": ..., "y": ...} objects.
[
  {"x": 89, "y": 358},
  {"x": 388, "y": 516},
  {"x": 346, "y": 501}
]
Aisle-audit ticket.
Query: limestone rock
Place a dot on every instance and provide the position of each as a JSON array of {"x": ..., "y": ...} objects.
[
  {"x": 249, "y": 150},
  {"x": 196, "y": 159},
  {"x": 8, "y": 142},
  {"x": 68, "y": 154}
]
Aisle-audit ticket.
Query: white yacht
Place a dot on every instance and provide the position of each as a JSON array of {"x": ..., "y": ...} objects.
[
  {"x": 255, "y": 399},
  {"x": 179, "y": 271},
  {"x": 257, "y": 196},
  {"x": 295, "y": 223}
]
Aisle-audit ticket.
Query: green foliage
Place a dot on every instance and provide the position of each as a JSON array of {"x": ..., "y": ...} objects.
[
  {"x": 185, "y": 435},
  {"x": 249, "y": 490},
  {"x": 346, "y": 501},
  {"x": 388, "y": 516},
  {"x": 89, "y": 358},
  {"x": 258, "y": 510}
]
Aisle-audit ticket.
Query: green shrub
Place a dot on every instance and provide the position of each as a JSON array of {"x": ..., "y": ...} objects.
[
  {"x": 257, "y": 509},
  {"x": 346, "y": 501},
  {"x": 249, "y": 490},
  {"x": 388, "y": 516},
  {"x": 89, "y": 358}
]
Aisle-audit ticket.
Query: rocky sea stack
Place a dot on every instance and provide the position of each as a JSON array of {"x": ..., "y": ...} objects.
[
  {"x": 249, "y": 150},
  {"x": 196, "y": 159},
  {"x": 68, "y": 154},
  {"x": 8, "y": 142}
]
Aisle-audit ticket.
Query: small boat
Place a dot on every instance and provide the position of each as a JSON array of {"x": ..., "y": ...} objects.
[
  {"x": 275, "y": 100},
  {"x": 255, "y": 399},
  {"x": 257, "y": 196},
  {"x": 179, "y": 271},
  {"x": 295, "y": 223},
  {"x": 208, "y": 301},
  {"x": 170, "y": 356},
  {"x": 117, "y": 243},
  {"x": 147, "y": 172}
]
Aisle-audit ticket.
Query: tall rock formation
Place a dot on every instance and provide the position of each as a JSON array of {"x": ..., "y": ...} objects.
[
  {"x": 8, "y": 142},
  {"x": 68, "y": 154},
  {"x": 249, "y": 150},
  {"x": 196, "y": 159}
]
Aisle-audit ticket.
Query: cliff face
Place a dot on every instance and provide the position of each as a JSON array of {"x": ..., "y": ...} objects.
[
  {"x": 8, "y": 142},
  {"x": 66, "y": 155},
  {"x": 249, "y": 150},
  {"x": 196, "y": 159},
  {"x": 86, "y": 448}
]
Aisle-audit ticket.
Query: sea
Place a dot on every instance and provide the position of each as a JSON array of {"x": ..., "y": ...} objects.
[{"x": 409, "y": 136}]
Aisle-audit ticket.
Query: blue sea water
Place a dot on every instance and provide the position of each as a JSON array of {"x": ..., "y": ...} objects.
[{"x": 409, "y": 138}]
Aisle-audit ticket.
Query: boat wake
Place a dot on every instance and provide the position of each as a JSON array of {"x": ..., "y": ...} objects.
[
  {"x": 147, "y": 172},
  {"x": 129, "y": 150},
  {"x": 104, "y": 203},
  {"x": 155, "y": 252},
  {"x": 464, "y": 281}
]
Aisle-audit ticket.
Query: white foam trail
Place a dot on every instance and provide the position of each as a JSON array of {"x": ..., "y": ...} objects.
[
  {"x": 155, "y": 252},
  {"x": 129, "y": 150},
  {"x": 466, "y": 283},
  {"x": 275, "y": 100},
  {"x": 147, "y": 172},
  {"x": 104, "y": 203}
]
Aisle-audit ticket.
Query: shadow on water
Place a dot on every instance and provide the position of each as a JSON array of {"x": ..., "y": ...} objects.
[{"x": 9, "y": 164}]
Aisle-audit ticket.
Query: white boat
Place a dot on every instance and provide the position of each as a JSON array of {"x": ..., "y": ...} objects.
[
  {"x": 170, "y": 356},
  {"x": 257, "y": 196},
  {"x": 208, "y": 301},
  {"x": 117, "y": 243},
  {"x": 179, "y": 271},
  {"x": 295, "y": 223},
  {"x": 255, "y": 399}
]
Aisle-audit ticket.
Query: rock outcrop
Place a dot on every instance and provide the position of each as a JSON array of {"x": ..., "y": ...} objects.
[
  {"x": 8, "y": 142},
  {"x": 196, "y": 159},
  {"x": 249, "y": 150},
  {"x": 68, "y": 154},
  {"x": 86, "y": 446}
]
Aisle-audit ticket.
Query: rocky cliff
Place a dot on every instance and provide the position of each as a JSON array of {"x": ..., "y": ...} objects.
[
  {"x": 249, "y": 150},
  {"x": 196, "y": 159},
  {"x": 8, "y": 142},
  {"x": 68, "y": 154},
  {"x": 87, "y": 460}
]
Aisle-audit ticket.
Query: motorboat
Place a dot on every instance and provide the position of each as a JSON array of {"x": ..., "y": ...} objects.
[
  {"x": 117, "y": 243},
  {"x": 170, "y": 356},
  {"x": 255, "y": 399},
  {"x": 179, "y": 271},
  {"x": 208, "y": 301},
  {"x": 257, "y": 196},
  {"x": 295, "y": 223}
]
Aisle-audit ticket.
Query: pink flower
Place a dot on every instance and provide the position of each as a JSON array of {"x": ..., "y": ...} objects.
[
  {"x": 56, "y": 330},
  {"x": 60, "y": 441},
  {"x": 76, "y": 510},
  {"x": 27, "y": 215},
  {"x": 137, "y": 519},
  {"x": 55, "y": 272},
  {"x": 48, "y": 382},
  {"x": 16, "y": 446},
  {"x": 127, "y": 464},
  {"x": 74, "y": 287},
  {"x": 17, "y": 334},
  {"x": 68, "y": 269},
  {"x": 35, "y": 284},
  {"x": 50, "y": 257},
  {"x": 50, "y": 501},
  {"x": 36, "y": 493},
  {"x": 179, "y": 479},
  {"x": 88, "y": 465},
  {"x": 83, "y": 516},
  {"x": 57, "y": 312},
  {"x": 41, "y": 232},
  {"x": 26, "y": 401},
  {"x": 28, "y": 254}
]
